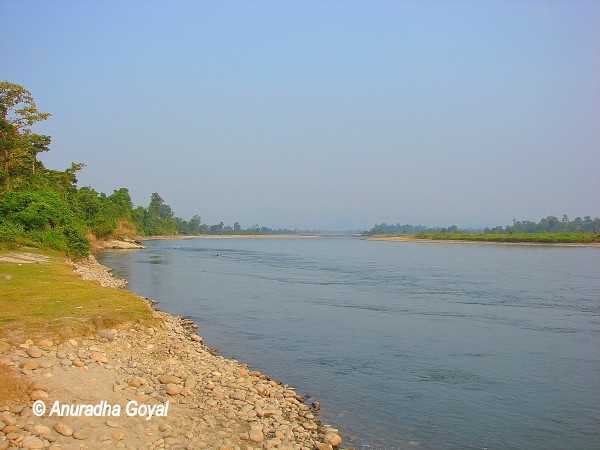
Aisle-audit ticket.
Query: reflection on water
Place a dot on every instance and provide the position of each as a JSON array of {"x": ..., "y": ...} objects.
[{"x": 450, "y": 346}]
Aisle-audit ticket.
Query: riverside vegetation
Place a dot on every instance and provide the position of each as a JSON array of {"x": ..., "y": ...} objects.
[
  {"x": 547, "y": 231},
  {"x": 45, "y": 207}
]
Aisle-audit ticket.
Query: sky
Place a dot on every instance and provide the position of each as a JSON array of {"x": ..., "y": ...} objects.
[{"x": 328, "y": 115}]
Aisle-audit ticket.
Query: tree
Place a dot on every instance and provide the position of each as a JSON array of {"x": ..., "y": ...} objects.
[
  {"x": 158, "y": 218},
  {"x": 159, "y": 207},
  {"x": 19, "y": 146},
  {"x": 194, "y": 225},
  {"x": 121, "y": 204}
]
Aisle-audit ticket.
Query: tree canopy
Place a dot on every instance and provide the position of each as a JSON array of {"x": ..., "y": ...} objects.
[{"x": 19, "y": 145}]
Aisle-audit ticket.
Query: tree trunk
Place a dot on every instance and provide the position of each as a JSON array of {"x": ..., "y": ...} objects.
[{"x": 6, "y": 169}]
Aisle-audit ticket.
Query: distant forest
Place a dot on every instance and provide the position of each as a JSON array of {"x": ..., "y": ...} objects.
[
  {"x": 159, "y": 219},
  {"x": 550, "y": 224}
]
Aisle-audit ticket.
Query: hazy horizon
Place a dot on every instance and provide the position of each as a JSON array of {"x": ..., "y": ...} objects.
[{"x": 321, "y": 115}]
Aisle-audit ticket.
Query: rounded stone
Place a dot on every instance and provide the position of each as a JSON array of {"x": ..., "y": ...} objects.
[
  {"x": 106, "y": 335},
  {"x": 34, "y": 351},
  {"x": 173, "y": 389},
  {"x": 332, "y": 439},
  {"x": 30, "y": 365},
  {"x": 97, "y": 356},
  {"x": 13, "y": 436},
  {"x": 42, "y": 429},
  {"x": 46, "y": 343},
  {"x": 38, "y": 395},
  {"x": 63, "y": 429},
  {"x": 323, "y": 446},
  {"x": 32, "y": 442},
  {"x": 169, "y": 379},
  {"x": 81, "y": 435},
  {"x": 190, "y": 382},
  {"x": 255, "y": 436}
]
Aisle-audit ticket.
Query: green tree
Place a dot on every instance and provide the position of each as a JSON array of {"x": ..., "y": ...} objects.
[
  {"x": 120, "y": 203},
  {"x": 159, "y": 218},
  {"x": 19, "y": 146}
]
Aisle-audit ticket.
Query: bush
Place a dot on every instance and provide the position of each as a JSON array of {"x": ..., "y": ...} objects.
[
  {"x": 78, "y": 245},
  {"x": 10, "y": 233},
  {"x": 41, "y": 217}
]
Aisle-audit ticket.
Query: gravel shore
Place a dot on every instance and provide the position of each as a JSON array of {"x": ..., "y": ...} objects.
[{"x": 119, "y": 377}]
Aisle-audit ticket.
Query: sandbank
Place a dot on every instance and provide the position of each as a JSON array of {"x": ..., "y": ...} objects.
[{"x": 459, "y": 241}]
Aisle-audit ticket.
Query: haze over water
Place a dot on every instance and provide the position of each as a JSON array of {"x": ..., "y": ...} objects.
[{"x": 447, "y": 345}]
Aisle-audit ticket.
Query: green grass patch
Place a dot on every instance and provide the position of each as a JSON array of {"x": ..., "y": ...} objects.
[{"x": 49, "y": 300}]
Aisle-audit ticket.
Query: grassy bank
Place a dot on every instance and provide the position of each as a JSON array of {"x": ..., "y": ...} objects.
[
  {"x": 536, "y": 238},
  {"x": 48, "y": 300}
]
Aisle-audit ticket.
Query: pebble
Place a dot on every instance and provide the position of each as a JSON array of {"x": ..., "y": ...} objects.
[
  {"x": 11, "y": 429},
  {"x": 106, "y": 335},
  {"x": 332, "y": 439},
  {"x": 42, "y": 429},
  {"x": 32, "y": 443},
  {"x": 38, "y": 395},
  {"x": 173, "y": 389},
  {"x": 118, "y": 436},
  {"x": 63, "y": 429},
  {"x": 30, "y": 365},
  {"x": 81, "y": 435},
  {"x": 34, "y": 351},
  {"x": 323, "y": 446},
  {"x": 255, "y": 436},
  {"x": 170, "y": 379},
  {"x": 97, "y": 356},
  {"x": 190, "y": 382},
  {"x": 45, "y": 363},
  {"x": 46, "y": 343}
]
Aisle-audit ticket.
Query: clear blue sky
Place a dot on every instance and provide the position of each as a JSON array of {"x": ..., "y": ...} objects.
[{"x": 321, "y": 114}]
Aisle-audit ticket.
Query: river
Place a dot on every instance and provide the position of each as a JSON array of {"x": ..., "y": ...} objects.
[{"x": 405, "y": 345}]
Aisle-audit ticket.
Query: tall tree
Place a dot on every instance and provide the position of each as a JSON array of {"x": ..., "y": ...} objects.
[{"x": 19, "y": 146}]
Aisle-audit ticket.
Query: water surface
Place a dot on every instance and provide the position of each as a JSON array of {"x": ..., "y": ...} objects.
[{"x": 441, "y": 345}]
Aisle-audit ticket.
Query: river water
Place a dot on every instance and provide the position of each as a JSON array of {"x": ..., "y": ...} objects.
[{"x": 405, "y": 345}]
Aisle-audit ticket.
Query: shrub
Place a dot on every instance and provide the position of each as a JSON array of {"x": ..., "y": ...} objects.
[{"x": 41, "y": 217}]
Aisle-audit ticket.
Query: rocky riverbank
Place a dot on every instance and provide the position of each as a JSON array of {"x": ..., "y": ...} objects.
[{"x": 120, "y": 377}]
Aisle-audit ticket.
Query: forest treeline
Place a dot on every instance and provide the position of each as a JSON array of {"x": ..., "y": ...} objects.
[
  {"x": 41, "y": 206},
  {"x": 550, "y": 224}
]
